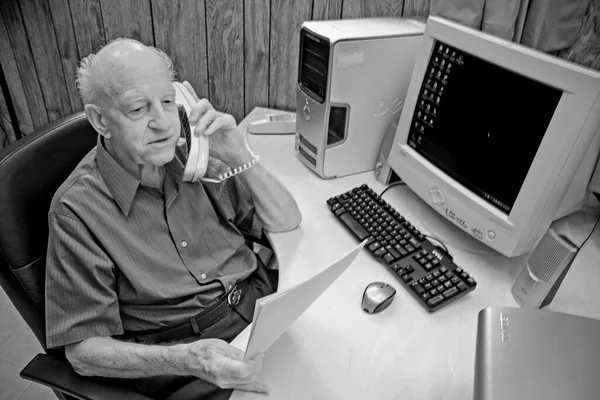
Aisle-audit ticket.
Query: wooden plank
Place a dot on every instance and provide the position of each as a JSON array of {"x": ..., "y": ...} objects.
[
  {"x": 372, "y": 8},
  {"x": 327, "y": 9},
  {"x": 256, "y": 54},
  {"x": 286, "y": 20},
  {"x": 224, "y": 31},
  {"x": 180, "y": 31},
  {"x": 87, "y": 26},
  {"x": 67, "y": 48},
  {"x": 127, "y": 18},
  {"x": 416, "y": 8},
  {"x": 44, "y": 48},
  {"x": 16, "y": 91},
  {"x": 17, "y": 34},
  {"x": 7, "y": 132}
]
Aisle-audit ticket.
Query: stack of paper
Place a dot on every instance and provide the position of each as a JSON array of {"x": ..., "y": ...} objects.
[{"x": 275, "y": 313}]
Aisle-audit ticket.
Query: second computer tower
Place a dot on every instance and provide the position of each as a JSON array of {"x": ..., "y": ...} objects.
[{"x": 352, "y": 79}]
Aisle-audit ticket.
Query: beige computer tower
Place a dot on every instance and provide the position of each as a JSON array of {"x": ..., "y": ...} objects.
[{"x": 352, "y": 79}]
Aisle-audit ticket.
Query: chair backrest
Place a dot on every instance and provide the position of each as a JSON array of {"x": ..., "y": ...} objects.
[{"x": 31, "y": 170}]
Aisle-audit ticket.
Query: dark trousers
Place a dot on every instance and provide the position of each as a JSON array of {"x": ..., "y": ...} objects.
[{"x": 261, "y": 283}]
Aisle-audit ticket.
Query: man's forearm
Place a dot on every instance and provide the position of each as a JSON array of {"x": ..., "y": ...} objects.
[
  {"x": 275, "y": 206},
  {"x": 104, "y": 356},
  {"x": 212, "y": 360}
]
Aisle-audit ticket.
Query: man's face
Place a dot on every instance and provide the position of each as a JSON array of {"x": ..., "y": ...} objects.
[{"x": 143, "y": 120}]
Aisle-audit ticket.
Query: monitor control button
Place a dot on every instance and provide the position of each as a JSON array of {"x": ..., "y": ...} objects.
[
  {"x": 437, "y": 197},
  {"x": 306, "y": 111},
  {"x": 491, "y": 235}
]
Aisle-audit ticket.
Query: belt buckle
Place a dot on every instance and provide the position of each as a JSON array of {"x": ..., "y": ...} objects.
[{"x": 233, "y": 298}]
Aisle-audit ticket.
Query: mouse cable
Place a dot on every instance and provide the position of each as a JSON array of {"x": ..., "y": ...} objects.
[{"x": 401, "y": 183}]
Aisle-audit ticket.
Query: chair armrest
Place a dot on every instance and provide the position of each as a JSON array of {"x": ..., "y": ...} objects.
[{"x": 58, "y": 374}]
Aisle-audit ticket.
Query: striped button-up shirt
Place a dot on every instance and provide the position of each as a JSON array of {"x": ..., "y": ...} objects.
[{"x": 125, "y": 256}]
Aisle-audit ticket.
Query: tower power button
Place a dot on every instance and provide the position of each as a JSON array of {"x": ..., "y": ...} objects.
[{"x": 306, "y": 111}]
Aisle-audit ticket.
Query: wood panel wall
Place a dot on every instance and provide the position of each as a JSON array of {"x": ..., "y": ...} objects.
[{"x": 237, "y": 53}]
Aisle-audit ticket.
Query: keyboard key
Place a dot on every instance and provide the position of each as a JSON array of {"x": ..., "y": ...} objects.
[
  {"x": 400, "y": 250},
  {"x": 339, "y": 211},
  {"x": 374, "y": 246},
  {"x": 434, "y": 301},
  {"x": 380, "y": 252},
  {"x": 450, "y": 292},
  {"x": 417, "y": 288},
  {"x": 388, "y": 258},
  {"x": 392, "y": 251},
  {"x": 354, "y": 226}
]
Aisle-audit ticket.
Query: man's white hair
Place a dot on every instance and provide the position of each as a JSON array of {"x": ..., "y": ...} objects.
[{"x": 93, "y": 82}]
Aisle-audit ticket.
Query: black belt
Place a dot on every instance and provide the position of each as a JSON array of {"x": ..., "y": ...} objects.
[{"x": 196, "y": 324}]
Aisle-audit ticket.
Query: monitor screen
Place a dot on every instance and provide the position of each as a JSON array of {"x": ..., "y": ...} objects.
[{"x": 480, "y": 123}]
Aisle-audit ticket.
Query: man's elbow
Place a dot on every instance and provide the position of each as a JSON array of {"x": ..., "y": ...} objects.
[
  {"x": 290, "y": 223},
  {"x": 75, "y": 355}
]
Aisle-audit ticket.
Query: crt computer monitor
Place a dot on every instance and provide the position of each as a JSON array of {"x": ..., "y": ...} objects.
[{"x": 498, "y": 138}]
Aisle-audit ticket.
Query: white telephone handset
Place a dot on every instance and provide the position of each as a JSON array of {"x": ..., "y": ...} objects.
[{"x": 197, "y": 145}]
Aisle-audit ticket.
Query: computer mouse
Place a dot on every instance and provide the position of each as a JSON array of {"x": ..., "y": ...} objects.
[{"x": 377, "y": 297}]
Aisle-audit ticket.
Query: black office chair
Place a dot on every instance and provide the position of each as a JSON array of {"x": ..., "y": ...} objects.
[{"x": 31, "y": 170}]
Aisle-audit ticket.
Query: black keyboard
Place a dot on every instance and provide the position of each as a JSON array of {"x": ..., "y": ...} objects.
[{"x": 424, "y": 269}]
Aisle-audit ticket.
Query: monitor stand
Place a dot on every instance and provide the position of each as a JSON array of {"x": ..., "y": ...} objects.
[{"x": 452, "y": 236}]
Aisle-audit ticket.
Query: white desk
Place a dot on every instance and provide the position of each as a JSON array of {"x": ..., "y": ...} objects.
[{"x": 336, "y": 350}]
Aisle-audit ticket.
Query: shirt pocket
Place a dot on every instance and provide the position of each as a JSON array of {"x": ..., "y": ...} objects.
[{"x": 223, "y": 242}]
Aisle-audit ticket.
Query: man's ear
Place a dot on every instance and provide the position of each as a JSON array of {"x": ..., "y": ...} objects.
[{"x": 97, "y": 118}]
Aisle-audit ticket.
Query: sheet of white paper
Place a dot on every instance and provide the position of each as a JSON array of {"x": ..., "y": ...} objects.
[{"x": 275, "y": 313}]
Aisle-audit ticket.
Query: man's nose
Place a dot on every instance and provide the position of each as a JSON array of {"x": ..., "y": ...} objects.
[{"x": 160, "y": 119}]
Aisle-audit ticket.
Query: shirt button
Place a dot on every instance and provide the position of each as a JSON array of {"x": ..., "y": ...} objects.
[
  {"x": 203, "y": 276},
  {"x": 184, "y": 243}
]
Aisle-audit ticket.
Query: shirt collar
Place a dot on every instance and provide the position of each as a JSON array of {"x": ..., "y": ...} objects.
[{"x": 122, "y": 185}]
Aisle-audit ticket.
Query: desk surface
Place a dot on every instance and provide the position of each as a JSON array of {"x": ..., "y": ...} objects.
[{"x": 336, "y": 350}]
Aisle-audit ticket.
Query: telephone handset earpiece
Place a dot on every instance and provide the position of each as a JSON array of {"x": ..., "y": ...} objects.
[{"x": 197, "y": 146}]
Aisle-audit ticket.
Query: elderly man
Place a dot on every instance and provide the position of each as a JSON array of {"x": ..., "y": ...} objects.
[{"x": 148, "y": 277}]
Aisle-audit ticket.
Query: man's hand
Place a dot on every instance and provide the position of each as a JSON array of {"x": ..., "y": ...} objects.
[
  {"x": 226, "y": 141},
  {"x": 216, "y": 361}
]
